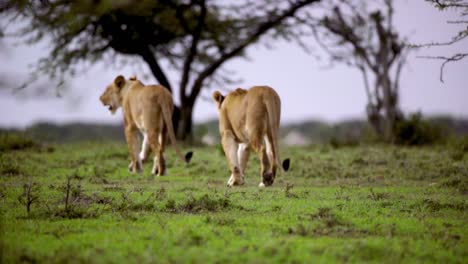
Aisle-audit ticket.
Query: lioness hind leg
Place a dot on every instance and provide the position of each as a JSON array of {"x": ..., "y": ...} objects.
[
  {"x": 133, "y": 145},
  {"x": 267, "y": 178},
  {"x": 270, "y": 151},
  {"x": 258, "y": 145},
  {"x": 159, "y": 165},
  {"x": 145, "y": 148},
  {"x": 161, "y": 159},
  {"x": 243, "y": 154},
  {"x": 230, "y": 147}
]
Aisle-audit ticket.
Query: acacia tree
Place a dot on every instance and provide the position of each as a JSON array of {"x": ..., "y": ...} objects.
[
  {"x": 196, "y": 37},
  {"x": 367, "y": 41}
]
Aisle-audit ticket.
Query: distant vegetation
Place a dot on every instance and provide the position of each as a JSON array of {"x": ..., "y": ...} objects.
[
  {"x": 14, "y": 141},
  {"x": 73, "y": 132},
  {"x": 414, "y": 131}
]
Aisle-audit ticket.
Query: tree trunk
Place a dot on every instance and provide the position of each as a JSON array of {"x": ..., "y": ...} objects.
[
  {"x": 374, "y": 118},
  {"x": 160, "y": 76},
  {"x": 176, "y": 119},
  {"x": 184, "y": 131},
  {"x": 391, "y": 111},
  {"x": 388, "y": 109}
]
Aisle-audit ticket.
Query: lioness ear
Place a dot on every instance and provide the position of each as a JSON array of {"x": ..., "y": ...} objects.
[
  {"x": 133, "y": 78},
  {"x": 119, "y": 81},
  {"x": 218, "y": 97}
]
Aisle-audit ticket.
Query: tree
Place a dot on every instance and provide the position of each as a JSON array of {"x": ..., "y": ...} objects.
[
  {"x": 462, "y": 6},
  {"x": 195, "y": 37},
  {"x": 367, "y": 41}
]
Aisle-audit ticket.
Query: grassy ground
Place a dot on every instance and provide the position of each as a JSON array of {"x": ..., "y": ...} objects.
[{"x": 360, "y": 204}]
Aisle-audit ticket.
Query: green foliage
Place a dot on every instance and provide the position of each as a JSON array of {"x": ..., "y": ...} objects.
[
  {"x": 347, "y": 141},
  {"x": 9, "y": 167},
  {"x": 345, "y": 133},
  {"x": 381, "y": 204},
  {"x": 415, "y": 131},
  {"x": 75, "y": 132},
  {"x": 83, "y": 31},
  {"x": 459, "y": 147},
  {"x": 15, "y": 141}
]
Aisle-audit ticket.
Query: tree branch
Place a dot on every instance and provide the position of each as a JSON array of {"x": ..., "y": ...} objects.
[
  {"x": 342, "y": 29},
  {"x": 399, "y": 67},
  {"x": 263, "y": 28},
  {"x": 462, "y": 35},
  {"x": 156, "y": 69},
  {"x": 448, "y": 4},
  {"x": 454, "y": 58},
  {"x": 192, "y": 52},
  {"x": 366, "y": 81}
]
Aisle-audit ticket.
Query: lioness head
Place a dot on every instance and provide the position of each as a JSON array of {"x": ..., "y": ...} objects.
[{"x": 111, "y": 98}]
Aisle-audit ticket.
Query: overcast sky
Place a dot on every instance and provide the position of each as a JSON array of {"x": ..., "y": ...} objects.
[{"x": 307, "y": 89}]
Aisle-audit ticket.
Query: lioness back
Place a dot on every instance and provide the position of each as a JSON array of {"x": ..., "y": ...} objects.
[
  {"x": 244, "y": 109},
  {"x": 146, "y": 97},
  {"x": 258, "y": 99}
]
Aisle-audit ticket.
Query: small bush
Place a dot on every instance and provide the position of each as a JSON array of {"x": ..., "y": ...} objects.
[
  {"x": 414, "y": 131},
  {"x": 29, "y": 195},
  {"x": 75, "y": 203},
  {"x": 10, "y": 167},
  {"x": 325, "y": 223},
  {"x": 193, "y": 205},
  {"x": 376, "y": 196},
  {"x": 204, "y": 203},
  {"x": 16, "y": 141},
  {"x": 458, "y": 147},
  {"x": 435, "y": 206},
  {"x": 347, "y": 141}
]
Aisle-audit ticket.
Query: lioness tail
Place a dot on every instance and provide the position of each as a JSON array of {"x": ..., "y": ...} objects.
[{"x": 170, "y": 129}]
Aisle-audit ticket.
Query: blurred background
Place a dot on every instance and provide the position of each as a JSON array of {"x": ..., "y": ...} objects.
[{"x": 347, "y": 71}]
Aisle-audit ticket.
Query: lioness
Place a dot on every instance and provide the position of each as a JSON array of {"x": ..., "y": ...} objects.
[
  {"x": 147, "y": 108},
  {"x": 249, "y": 119}
]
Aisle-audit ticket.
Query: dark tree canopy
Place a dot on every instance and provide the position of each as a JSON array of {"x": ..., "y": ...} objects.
[{"x": 194, "y": 37}]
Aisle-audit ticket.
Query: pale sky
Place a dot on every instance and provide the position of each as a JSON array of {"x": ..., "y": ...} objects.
[{"x": 307, "y": 89}]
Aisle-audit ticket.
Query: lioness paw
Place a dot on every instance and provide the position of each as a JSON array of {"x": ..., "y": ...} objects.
[
  {"x": 135, "y": 168},
  {"x": 233, "y": 181},
  {"x": 230, "y": 182}
]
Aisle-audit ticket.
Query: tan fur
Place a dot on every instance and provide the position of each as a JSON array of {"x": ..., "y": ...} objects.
[
  {"x": 250, "y": 119},
  {"x": 148, "y": 109}
]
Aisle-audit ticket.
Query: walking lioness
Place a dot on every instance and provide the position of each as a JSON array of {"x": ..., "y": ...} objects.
[
  {"x": 147, "y": 108},
  {"x": 249, "y": 119}
]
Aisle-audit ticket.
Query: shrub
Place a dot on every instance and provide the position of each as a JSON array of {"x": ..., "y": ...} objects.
[
  {"x": 458, "y": 147},
  {"x": 29, "y": 195},
  {"x": 10, "y": 167},
  {"x": 415, "y": 131},
  {"x": 15, "y": 141}
]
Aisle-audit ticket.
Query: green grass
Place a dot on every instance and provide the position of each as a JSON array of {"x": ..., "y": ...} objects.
[{"x": 360, "y": 204}]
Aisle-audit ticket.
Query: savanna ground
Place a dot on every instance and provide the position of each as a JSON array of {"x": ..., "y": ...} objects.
[{"x": 352, "y": 204}]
